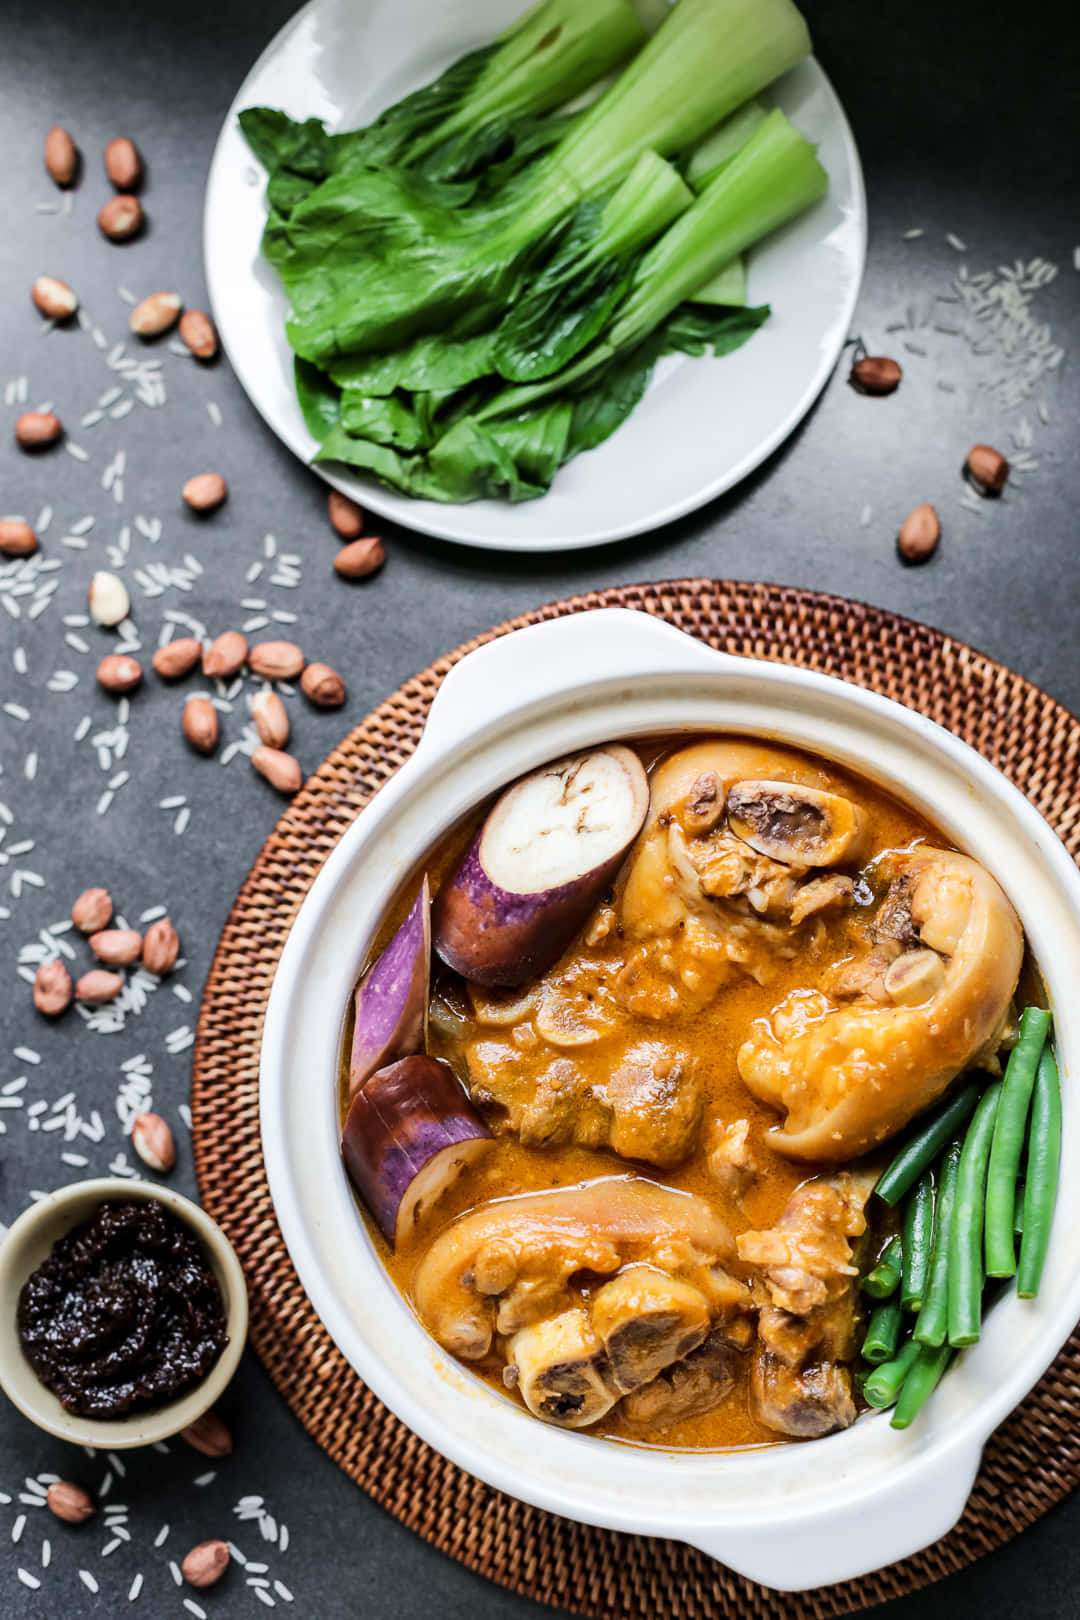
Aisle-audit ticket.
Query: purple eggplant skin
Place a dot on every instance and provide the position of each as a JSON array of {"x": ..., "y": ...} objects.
[
  {"x": 499, "y": 939},
  {"x": 408, "y": 1134},
  {"x": 392, "y": 998}
]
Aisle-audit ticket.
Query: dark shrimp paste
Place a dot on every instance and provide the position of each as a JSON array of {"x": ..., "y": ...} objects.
[{"x": 124, "y": 1314}]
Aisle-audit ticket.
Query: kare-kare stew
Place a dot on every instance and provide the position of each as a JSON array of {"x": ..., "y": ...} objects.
[{"x": 618, "y": 1088}]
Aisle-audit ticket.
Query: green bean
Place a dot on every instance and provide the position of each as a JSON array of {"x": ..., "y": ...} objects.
[
  {"x": 923, "y": 1148},
  {"x": 966, "y": 1233},
  {"x": 918, "y": 1240},
  {"x": 883, "y": 1334},
  {"x": 1008, "y": 1143},
  {"x": 1040, "y": 1190},
  {"x": 885, "y": 1277},
  {"x": 920, "y": 1384},
  {"x": 1018, "y": 1210},
  {"x": 932, "y": 1322},
  {"x": 882, "y": 1386}
]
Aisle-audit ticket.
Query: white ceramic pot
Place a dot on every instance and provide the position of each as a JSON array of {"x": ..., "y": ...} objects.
[{"x": 790, "y": 1516}]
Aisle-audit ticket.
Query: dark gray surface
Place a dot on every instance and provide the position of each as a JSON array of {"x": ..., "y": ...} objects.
[{"x": 960, "y": 130}]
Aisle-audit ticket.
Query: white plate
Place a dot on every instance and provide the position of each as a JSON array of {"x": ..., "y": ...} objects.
[{"x": 704, "y": 424}]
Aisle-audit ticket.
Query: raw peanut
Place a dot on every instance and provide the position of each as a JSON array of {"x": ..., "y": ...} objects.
[
  {"x": 70, "y": 1502},
  {"x": 225, "y": 656},
  {"x": 92, "y": 911},
  {"x": 281, "y": 770},
  {"x": 987, "y": 469},
  {"x": 17, "y": 539},
  {"x": 161, "y": 947},
  {"x": 53, "y": 298},
  {"x": 52, "y": 989},
  {"x": 110, "y": 603},
  {"x": 119, "y": 674},
  {"x": 205, "y": 491},
  {"x": 123, "y": 165},
  {"x": 198, "y": 332},
  {"x": 117, "y": 947},
  {"x": 271, "y": 720},
  {"x": 200, "y": 724},
  {"x": 155, "y": 314},
  {"x": 919, "y": 535},
  {"x": 323, "y": 686},
  {"x": 360, "y": 558},
  {"x": 209, "y": 1435},
  {"x": 875, "y": 374},
  {"x": 346, "y": 518},
  {"x": 61, "y": 156},
  {"x": 36, "y": 429},
  {"x": 206, "y": 1563},
  {"x": 120, "y": 219},
  {"x": 98, "y": 986},
  {"x": 177, "y": 658},
  {"x": 153, "y": 1142},
  {"x": 276, "y": 660}
]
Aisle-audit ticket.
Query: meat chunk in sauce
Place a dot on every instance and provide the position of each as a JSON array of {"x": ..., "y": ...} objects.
[
  {"x": 849, "y": 1076},
  {"x": 731, "y": 1158},
  {"x": 804, "y": 1405},
  {"x": 806, "y": 1262},
  {"x": 509, "y": 1263},
  {"x": 806, "y": 1258},
  {"x": 689, "y": 1388},
  {"x": 643, "y": 1100}
]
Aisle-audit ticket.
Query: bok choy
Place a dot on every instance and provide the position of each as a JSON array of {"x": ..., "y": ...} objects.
[{"x": 483, "y": 279}]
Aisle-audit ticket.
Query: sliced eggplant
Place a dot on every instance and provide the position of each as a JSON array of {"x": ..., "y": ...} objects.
[
  {"x": 392, "y": 998},
  {"x": 409, "y": 1133},
  {"x": 542, "y": 859}
]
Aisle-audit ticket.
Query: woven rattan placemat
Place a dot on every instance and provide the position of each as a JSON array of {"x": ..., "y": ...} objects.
[{"x": 1030, "y": 1463}]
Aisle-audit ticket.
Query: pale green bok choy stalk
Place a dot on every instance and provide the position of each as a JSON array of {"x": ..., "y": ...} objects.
[
  {"x": 372, "y": 258},
  {"x": 774, "y": 177}
]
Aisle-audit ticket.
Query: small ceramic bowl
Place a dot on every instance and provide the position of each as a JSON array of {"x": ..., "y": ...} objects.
[{"x": 28, "y": 1243}]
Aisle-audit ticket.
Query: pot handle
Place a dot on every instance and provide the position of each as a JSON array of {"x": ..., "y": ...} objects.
[
  {"x": 817, "y": 1549},
  {"x": 563, "y": 654}
]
